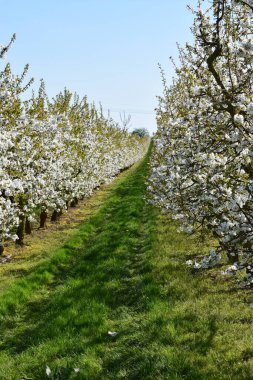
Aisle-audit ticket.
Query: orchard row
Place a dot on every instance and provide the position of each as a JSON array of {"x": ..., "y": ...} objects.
[
  {"x": 202, "y": 169},
  {"x": 53, "y": 153}
]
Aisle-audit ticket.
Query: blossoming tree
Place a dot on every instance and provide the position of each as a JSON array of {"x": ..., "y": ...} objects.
[
  {"x": 202, "y": 161},
  {"x": 53, "y": 152}
]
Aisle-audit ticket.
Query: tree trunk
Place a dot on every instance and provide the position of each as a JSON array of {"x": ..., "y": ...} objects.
[
  {"x": 21, "y": 227},
  {"x": 28, "y": 227},
  {"x": 21, "y": 231},
  {"x": 56, "y": 215},
  {"x": 43, "y": 218},
  {"x": 74, "y": 202}
]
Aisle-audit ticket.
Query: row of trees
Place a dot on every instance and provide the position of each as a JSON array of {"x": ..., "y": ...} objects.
[
  {"x": 202, "y": 162},
  {"x": 53, "y": 153}
]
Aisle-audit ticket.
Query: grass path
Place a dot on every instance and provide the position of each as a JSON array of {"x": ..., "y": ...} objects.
[
  {"x": 43, "y": 242},
  {"x": 123, "y": 270}
]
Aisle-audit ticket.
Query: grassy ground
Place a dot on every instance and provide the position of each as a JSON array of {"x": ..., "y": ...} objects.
[
  {"x": 43, "y": 242},
  {"x": 123, "y": 270}
]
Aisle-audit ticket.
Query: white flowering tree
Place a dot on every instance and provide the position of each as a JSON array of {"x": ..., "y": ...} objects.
[
  {"x": 202, "y": 162},
  {"x": 53, "y": 152}
]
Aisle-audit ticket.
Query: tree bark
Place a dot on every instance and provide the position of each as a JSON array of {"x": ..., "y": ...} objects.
[
  {"x": 28, "y": 227},
  {"x": 21, "y": 231},
  {"x": 56, "y": 215},
  {"x": 43, "y": 218},
  {"x": 1, "y": 249},
  {"x": 74, "y": 202},
  {"x": 21, "y": 227}
]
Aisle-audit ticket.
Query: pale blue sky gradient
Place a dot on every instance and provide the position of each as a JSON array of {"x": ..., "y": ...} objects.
[{"x": 105, "y": 49}]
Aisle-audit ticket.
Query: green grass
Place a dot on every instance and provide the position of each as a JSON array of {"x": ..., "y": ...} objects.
[{"x": 123, "y": 270}]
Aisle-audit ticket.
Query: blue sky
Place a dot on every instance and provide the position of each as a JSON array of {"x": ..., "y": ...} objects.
[{"x": 105, "y": 49}]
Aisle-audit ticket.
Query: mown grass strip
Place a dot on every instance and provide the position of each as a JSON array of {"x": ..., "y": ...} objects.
[
  {"x": 88, "y": 261},
  {"x": 44, "y": 243},
  {"x": 124, "y": 271}
]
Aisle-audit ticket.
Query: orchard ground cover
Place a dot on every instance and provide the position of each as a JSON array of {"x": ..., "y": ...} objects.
[{"x": 122, "y": 270}]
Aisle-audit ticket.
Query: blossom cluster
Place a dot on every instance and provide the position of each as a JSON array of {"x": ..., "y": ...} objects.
[
  {"x": 201, "y": 170},
  {"x": 53, "y": 152}
]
